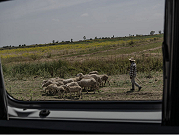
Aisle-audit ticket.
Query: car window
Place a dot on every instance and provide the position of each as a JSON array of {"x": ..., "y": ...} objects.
[{"x": 82, "y": 50}]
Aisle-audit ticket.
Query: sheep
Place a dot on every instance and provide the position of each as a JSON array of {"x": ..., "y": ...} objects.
[
  {"x": 61, "y": 90},
  {"x": 54, "y": 89},
  {"x": 68, "y": 81},
  {"x": 46, "y": 83},
  {"x": 58, "y": 79},
  {"x": 104, "y": 78},
  {"x": 88, "y": 82},
  {"x": 75, "y": 79},
  {"x": 72, "y": 84},
  {"x": 59, "y": 83},
  {"x": 95, "y": 76},
  {"x": 51, "y": 89},
  {"x": 75, "y": 89},
  {"x": 93, "y": 72}
]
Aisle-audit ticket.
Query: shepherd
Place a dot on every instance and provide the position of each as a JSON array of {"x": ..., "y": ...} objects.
[{"x": 132, "y": 73}]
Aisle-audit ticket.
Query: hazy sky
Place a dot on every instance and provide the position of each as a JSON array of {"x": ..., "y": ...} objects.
[{"x": 41, "y": 21}]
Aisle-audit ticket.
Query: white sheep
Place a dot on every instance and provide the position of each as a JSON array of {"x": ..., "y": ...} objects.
[
  {"x": 104, "y": 78},
  {"x": 67, "y": 81},
  {"x": 59, "y": 83},
  {"x": 46, "y": 83},
  {"x": 75, "y": 89},
  {"x": 53, "y": 79},
  {"x": 61, "y": 90},
  {"x": 75, "y": 79},
  {"x": 95, "y": 76},
  {"x": 58, "y": 79},
  {"x": 54, "y": 89},
  {"x": 51, "y": 89},
  {"x": 72, "y": 84},
  {"x": 94, "y": 72},
  {"x": 88, "y": 82}
]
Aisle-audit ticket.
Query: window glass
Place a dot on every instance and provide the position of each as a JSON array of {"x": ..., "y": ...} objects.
[{"x": 82, "y": 49}]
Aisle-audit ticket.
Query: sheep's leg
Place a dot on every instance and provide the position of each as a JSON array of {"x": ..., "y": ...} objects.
[
  {"x": 70, "y": 95},
  {"x": 50, "y": 91},
  {"x": 60, "y": 95},
  {"x": 97, "y": 88},
  {"x": 66, "y": 93},
  {"x": 55, "y": 92},
  {"x": 45, "y": 90},
  {"x": 108, "y": 83},
  {"x": 81, "y": 94},
  {"x": 94, "y": 88},
  {"x": 103, "y": 84},
  {"x": 63, "y": 94},
  {"x": 94, "y": 91},
  {"x": 86, "y": 90}
]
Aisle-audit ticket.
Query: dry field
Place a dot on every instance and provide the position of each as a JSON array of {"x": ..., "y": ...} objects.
[
  {"x": 23, "y": 86},
  {"x": 119, "y": 89}
]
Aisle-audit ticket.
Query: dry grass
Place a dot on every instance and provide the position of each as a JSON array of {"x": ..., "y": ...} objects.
[{"x": 30, "y": 89}]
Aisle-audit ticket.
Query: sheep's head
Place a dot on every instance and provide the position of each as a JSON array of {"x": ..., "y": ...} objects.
[
  {"x": 79, "y": 75},
  {"x": 79, "y": 83},
  {"x": 66, "y": 88}
]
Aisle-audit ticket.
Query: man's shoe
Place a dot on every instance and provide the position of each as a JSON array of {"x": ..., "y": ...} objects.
[
  {"x": 140, "y": 88},
  {"x": 132, "y": 89}
]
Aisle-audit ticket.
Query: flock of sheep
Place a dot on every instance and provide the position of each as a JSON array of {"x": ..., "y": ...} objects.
[{"x": 59, "y": 86}]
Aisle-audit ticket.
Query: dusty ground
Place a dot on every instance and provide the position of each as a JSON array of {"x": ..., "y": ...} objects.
[{"x": 119, "y": 89}]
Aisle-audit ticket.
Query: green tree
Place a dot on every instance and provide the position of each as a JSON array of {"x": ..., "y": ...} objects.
[
  {"x": 84, "y": 37},
  {"x": 152, "y": 32}
]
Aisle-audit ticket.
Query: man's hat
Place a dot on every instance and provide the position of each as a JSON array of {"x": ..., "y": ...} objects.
[{"x": 131, "y": 59}]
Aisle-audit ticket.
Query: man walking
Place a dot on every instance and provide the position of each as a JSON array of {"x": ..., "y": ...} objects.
[{"x": 132, "y": 73}]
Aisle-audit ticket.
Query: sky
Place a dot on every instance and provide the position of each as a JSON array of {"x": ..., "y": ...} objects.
[{"x": 42, "y": 21}]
